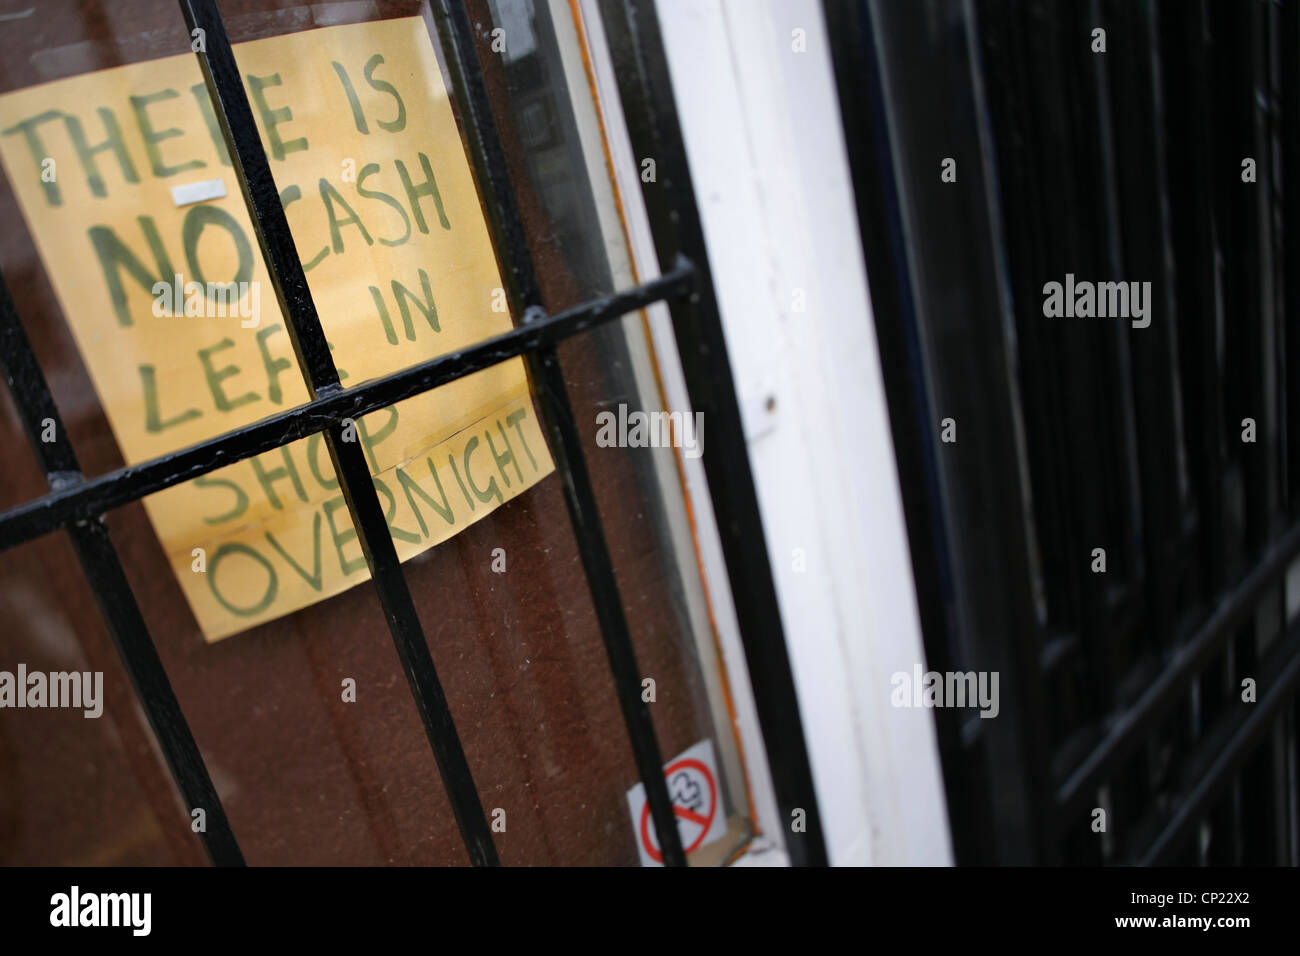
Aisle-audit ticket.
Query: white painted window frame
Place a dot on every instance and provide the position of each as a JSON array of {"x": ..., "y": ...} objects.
[{"x": 764, "y": 140}]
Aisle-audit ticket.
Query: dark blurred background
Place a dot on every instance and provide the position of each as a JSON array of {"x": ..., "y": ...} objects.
[{"x": 1121, "y": 691}]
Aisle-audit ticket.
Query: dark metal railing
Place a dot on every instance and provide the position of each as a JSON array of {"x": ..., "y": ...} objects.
[
  {"x": 1122, "y": 690},
  {"x": 77, "y": 503}
]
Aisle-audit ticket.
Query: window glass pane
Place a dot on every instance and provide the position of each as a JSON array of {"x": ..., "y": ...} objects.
[
  {"x": 573, "y": 214},
  {"x": 81, "y": 783},
  {"x": 488, "y": 550}
]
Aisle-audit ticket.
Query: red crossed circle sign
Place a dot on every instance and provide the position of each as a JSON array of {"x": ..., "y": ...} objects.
[{"x": 695, "y": 802}]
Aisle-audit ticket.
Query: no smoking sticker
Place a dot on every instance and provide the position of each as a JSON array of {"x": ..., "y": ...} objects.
[{"x": 692, "y": 778}]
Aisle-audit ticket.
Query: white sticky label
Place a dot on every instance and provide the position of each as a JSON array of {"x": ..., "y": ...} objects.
[
  {"x": 693, "y": 787},
  {"x": 198, "y": 192}
]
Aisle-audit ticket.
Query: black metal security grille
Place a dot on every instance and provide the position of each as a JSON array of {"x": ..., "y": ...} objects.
[
  {"x": 77, "y": 504},
  {"x": 1121, "y": 691}
]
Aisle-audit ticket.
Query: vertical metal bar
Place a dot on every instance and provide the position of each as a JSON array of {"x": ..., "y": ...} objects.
[
  {"x": 649, "y": 105},
  {"x": 230, "y": 103},
  {"x": 1001, "y": 604},
  {"x": 1209, "y": 272},
  {"x": 1289, "y": 188},
  {"x": 1170, "y": 548},
  {"x": 858, "y": 76},
  {"x": 1012, "y": 226},
  {"x": 1274, "y": 220},
  {"x": 112, "y": 591},
  {"x": 1132, "y": 522},
  {"x": 1167, "y": 500},
  {"x": 457, "y": 32},
  {"x": 1118, "y": 349}
]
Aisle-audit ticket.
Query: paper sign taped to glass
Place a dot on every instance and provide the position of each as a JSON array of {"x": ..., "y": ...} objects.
[{"x": 129, "y": 194}]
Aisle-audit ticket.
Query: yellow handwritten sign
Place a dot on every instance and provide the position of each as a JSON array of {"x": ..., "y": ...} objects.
[{"x": 129, "y": 194}]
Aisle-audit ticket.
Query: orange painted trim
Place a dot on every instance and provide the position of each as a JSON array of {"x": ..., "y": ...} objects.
[{"x": 663, "y": 398}]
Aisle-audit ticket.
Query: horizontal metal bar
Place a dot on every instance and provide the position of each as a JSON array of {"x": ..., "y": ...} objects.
[
  {"x": 1191, "y": 806},
  {"x": 124, "y": 485},
  {"x": 113, "y": 593},
  {"x": 1124, "y": 729}
]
